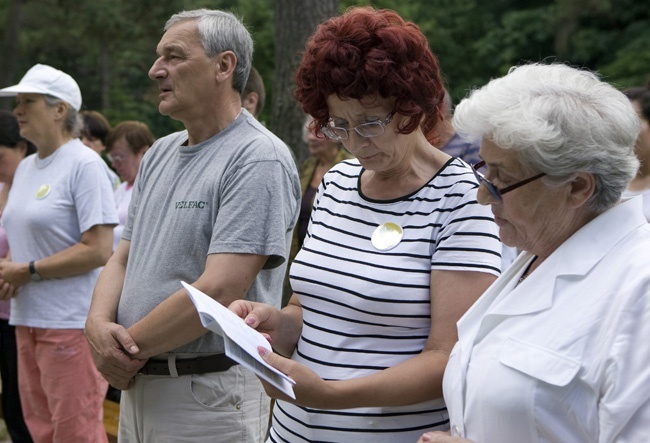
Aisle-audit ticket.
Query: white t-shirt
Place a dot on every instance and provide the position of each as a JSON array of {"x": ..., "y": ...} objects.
[
  {"x": 51, "y": 203},
  {"x": 122, "y": 200}
]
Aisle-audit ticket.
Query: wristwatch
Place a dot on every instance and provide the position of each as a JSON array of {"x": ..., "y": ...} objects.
[{"x": 35, "y": 276}]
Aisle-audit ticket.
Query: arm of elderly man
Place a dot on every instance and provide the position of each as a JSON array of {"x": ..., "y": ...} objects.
[
  {"x": 220, "y": 250},
  {"x": 227, "y": 277},
  {"x": 112, "y": 346},
  {"x": 175, "y": 322}
]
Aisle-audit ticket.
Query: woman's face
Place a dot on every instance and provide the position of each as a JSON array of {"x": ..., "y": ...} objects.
[
  {"x": 532, "y": 217},
  {"x": 93, "y": 143},
  {"x": 9, "y": 159},
  {"x": 125, "y": 162},
  {"x": 34, "y": 116},
  {"x": 319, "y": 146},
  {"x": 384, "y": 153}
]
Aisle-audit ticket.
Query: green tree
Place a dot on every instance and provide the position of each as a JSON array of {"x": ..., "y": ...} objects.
[
  {"x": 13, "y": 13},
  {"x": 109, "y": 45}
]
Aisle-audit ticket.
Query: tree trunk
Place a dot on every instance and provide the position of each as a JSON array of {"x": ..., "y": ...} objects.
[
  {"x": 295, "y": 21},
  {"x": 11, "y": 46}
]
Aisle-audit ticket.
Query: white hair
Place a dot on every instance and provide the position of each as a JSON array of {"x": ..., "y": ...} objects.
[
  {"x": 562, "y": 121},
  {"x": 222, "y": 31}
]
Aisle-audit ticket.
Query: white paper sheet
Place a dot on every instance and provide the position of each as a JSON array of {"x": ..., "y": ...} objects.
[{"x": 241, "y": 341}]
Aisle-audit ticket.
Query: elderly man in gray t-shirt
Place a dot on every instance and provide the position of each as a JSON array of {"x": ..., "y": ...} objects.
[{"x": 214, "y": 205}]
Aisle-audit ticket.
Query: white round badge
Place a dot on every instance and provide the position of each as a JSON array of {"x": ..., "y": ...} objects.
[
  {"x": 43, "y": 191},
  {"x": 386, "y": 236}
]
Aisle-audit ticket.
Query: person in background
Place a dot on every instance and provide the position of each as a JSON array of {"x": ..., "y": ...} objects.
[
  {"x": 213, "y": 205},
  {"x": 95, "y": 130},
  {"x": 450, "y": 141},
  {"x": 254, "y": 95},
  {"x": 13, "y": 148},
  {"x": 127, "y": 144},
  {"x": 93, "y": 134},
  {"x": 396, "y": 250},
  {"x": 59, "y": 221},
  {"x": 557, "y": 349},
  {"x": 453, "y": 144},
  {"x": 324, "y": 153},
  {"x": 640, "y": 184}
]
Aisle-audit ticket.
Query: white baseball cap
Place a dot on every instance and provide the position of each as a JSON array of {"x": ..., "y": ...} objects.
[{"x": 43, "y": 79}]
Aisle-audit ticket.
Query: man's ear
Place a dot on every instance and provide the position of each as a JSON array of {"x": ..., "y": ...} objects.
[
  {"x": 225, "y": 64},
  {"x": 582, "y": 187}
]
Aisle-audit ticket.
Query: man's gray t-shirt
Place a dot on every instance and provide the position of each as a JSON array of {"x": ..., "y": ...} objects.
[{"x": 237, "y": 192}]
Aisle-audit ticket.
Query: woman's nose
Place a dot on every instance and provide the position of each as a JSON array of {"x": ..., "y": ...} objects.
[
  {"x": 484, "y": 196},
  {"x": 355, "y": 142}
]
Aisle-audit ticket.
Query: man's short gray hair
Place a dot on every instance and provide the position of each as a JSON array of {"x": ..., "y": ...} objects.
[
  {"x": 562, "y": 121},
  {"x": 222, "y": 31}
]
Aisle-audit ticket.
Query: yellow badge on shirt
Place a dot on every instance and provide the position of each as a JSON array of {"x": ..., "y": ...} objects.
[
  {"x": 43, "y": 191},
  {"x": 386, "y": 236}
]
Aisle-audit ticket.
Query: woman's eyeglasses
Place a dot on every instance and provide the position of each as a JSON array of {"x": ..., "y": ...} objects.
[
  {"x": 366, "y": 130},
  {"x": 496, "y": 192}
]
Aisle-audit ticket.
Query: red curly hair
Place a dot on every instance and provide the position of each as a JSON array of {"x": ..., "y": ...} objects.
[{"x": 367, "y": 52}]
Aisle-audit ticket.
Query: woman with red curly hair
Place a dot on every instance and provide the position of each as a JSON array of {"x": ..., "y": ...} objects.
[{"x": 396, "y": 251}]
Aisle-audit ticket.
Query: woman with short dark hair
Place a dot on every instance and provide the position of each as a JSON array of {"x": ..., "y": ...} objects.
[{"x": 95, "y": 130}]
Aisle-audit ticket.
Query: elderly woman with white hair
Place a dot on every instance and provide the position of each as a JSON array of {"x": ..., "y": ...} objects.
[
  {"x": 557, "y": 349},
  {"x": 59, "y": 219}
]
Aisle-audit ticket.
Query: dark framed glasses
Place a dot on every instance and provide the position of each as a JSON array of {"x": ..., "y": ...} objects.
[{"x": 496, "y": 192}]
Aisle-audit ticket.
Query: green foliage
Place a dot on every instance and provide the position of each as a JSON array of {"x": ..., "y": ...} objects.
[
  {"x": 630, "y": 64},
  {"x": 477, "y": 40},
  {"x": 109, "y": 45}
]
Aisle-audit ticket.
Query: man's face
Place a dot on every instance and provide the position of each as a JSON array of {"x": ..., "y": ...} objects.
[{"x": 185, "y": 74}]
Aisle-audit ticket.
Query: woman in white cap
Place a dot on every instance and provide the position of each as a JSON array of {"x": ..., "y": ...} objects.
[{"x": 59, "y": 219}]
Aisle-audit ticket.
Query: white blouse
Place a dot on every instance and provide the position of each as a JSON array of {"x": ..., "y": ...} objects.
[
  {"x": 645, "y": 194},
  {"x": 565, "y": 355}
]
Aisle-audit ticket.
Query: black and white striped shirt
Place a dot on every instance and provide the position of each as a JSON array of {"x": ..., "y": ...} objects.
[{"x": 365, "y": 310}]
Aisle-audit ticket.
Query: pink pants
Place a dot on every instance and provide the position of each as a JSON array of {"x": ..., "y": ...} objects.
[{"x": 61, "y": 390}]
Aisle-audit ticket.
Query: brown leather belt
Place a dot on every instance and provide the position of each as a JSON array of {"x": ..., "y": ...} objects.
[{"x": 198, "y": 365}]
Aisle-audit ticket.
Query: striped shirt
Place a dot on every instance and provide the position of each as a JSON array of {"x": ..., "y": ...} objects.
[{"x": 364, "y": 309}]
